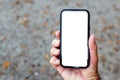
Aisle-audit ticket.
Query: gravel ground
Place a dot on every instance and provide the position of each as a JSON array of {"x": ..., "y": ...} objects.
[{"x": 27, "y": 28}]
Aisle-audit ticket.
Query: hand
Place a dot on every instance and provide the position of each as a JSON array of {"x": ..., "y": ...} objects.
[{"x": 90, "y": 73}]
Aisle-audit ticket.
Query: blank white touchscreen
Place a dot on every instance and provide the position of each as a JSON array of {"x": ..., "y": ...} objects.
[{"x": 74, "y": 38}]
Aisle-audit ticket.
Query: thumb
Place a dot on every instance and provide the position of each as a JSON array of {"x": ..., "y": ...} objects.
[{"x": 93, "y": 51}]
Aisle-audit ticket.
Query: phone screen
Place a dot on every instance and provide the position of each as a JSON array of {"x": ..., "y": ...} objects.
[{"x": 74, "y": 32}]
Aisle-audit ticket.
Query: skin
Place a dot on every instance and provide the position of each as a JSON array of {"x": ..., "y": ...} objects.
[{"x": 90, "y": 73}]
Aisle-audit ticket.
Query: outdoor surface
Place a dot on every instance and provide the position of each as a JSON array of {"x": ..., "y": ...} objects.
[{"x": 27, "y": 28}]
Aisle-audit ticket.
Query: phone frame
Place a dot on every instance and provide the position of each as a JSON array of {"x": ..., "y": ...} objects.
[{"x": 88, "y": 61}]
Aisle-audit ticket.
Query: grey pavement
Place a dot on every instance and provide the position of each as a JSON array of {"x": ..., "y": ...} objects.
[{"x": 27, "y": 28}]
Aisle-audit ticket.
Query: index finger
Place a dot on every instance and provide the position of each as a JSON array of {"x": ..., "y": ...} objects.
[{"x": 58, "y": 34}]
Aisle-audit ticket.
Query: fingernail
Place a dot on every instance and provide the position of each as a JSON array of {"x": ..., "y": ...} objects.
[
  {"x": 55, "y": 51},
  {"x": 93, "y": 37},
  {"x": 57, "y": 61},
  {"x": 56, "y": 43}
]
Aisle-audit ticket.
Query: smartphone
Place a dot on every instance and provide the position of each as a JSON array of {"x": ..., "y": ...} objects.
[{"x": 74, "y": 35}]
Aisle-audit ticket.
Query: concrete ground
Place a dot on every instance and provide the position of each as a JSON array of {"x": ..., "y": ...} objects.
[{"x": 27, "y": 28}]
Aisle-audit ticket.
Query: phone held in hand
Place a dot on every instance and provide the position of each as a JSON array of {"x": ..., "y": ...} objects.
[{"x": 74, "y": 36}]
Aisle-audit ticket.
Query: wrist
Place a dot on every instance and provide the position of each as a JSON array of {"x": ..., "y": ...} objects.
[{"x": 95, "y": 77}]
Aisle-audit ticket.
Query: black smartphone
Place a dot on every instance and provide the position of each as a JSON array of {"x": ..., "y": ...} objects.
[{"x": 74, "y": 35}]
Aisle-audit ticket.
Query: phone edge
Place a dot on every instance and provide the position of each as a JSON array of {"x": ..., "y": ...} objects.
[{"x": 88, "y": 61}]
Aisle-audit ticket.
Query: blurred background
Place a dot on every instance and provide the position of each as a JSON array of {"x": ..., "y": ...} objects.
[{"x": 27, "y": 28}]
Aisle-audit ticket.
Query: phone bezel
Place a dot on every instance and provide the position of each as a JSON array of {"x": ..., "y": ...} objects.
[{"x": 88, "y": 61}]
